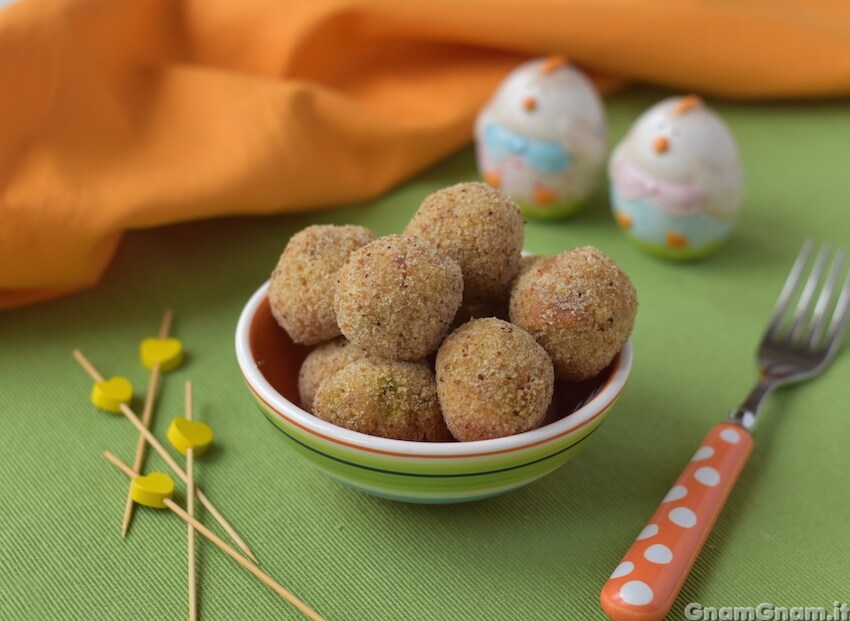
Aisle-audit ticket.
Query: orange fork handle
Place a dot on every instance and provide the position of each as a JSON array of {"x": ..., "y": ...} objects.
[{"x": 645, "y": 584}]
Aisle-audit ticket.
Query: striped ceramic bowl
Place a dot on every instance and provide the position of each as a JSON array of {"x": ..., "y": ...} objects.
[{"x": 428, "y": 472}]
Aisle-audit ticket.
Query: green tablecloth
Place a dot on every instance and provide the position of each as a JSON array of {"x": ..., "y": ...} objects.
[{"x": 542, "y": 552}]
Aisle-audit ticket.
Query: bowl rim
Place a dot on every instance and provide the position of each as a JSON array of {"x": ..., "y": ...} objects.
[{"x": 294, "y": 414}]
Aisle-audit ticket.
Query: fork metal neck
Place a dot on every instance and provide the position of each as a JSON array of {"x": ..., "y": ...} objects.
[{"x": 745, "y": 414}]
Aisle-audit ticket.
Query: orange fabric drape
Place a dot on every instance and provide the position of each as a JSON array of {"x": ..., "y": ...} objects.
[{"x": 120, "y": 114}]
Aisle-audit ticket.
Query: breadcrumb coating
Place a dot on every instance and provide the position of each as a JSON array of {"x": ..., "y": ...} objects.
[
  {"x": 580, "y": 306},
  {"x": 498, "y": 309},
  {"x": 493, "y": 380},
  {"x": 396, "y": 297},
  {"x": 323, "y": 363},
  {"x": 526, "y": 262},
  {"x": 302, "y": 284},
  {"x": 386, "y": 398},
  {"x": 480, "y": 228}
]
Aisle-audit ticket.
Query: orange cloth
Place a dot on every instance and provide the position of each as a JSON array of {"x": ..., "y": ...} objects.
[{"x": 120, "y": 114}]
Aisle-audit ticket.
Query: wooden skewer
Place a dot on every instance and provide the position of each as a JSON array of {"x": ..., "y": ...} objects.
[
  {"x": 88, "y": 367},
  {"x": 147, "y": 416},
  {"x": 227, "y": 549},
  {"x": 190, "y": 509},
  {"x": 169, "y": 460},
  {"x": 181, "y": 474}
]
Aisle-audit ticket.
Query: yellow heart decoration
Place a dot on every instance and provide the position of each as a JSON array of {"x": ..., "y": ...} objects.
[
  {"x": 167, "y": 353},
  {"x": 150, "y": 490},
  {"x": 110, "y": 394},
  {"x": 185, "y": 434}
]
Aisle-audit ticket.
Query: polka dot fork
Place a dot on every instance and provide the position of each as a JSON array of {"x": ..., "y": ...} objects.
[{"x": 797, "y": 345}]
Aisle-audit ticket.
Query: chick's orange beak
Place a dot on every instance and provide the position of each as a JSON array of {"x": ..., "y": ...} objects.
[
  {"x": 529, "y": 104},
  {"x": 661, "y": 144}
]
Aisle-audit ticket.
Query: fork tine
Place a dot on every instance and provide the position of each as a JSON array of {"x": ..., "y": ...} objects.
[
  {"x": 808, "y": 294},
  {"x": 819, "y": 317},
  {"x": 839, "y": 317},
  {"x": 789, "y": 287}
]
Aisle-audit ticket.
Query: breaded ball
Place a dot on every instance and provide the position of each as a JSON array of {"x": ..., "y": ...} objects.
[
  {"x": 493, "y": 380},
  {"x": 580, "y": 306},
  {"x": 499, "y": 307},
  {"x": 466, "y": 312},
  {"x": 526, "y": 262},
  {"x": 386, "y": 398},
  {"x": 396, "y": 297},
  {"x": 480, "y": 228},
  {"x": 323, "y": 363},
  {"x": 301, "y": 290}
]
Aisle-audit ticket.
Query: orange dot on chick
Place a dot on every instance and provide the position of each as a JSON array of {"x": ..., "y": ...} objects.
[
  {"x": 676, "y": 240},
  {"x": 661, "y": 144},
  {"x": 544, "y": 196},
  {"x": 493, "y": 178}
]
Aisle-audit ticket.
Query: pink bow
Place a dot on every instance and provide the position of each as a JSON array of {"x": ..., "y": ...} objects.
[{"x": 675, "y": 198}]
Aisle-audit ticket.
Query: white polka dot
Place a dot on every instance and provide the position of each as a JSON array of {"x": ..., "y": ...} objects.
[
  {"x": 730, "y": 435},
  {"x": 682, "y": 516},
  {"x": 623, "y": 569},
  {"x": 707, "y": 476},
  {"x": 636, "y": 593},
  {"x": 659, "y": 554},
  {"x": 680, "y": 491},
  {"x": 649, "y": 531},
  {"x": 703, "y": 452}
]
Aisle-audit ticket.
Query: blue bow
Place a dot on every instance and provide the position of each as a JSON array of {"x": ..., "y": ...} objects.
[{"x": 546, "y": 155}]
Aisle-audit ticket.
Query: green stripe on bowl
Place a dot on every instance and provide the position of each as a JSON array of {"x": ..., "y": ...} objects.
[
  {"x": 431, "y": 486},
  {"x": 431, "y": 481},
  {"x": 432, "y": 498},
  {"x": 430, "y": 466}
]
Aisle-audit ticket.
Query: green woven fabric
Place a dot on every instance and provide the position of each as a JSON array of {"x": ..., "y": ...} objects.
[{"x": 542, "y": 552}]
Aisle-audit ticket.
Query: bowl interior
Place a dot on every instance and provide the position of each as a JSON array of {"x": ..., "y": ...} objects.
[{"x": 278, "y": 359}]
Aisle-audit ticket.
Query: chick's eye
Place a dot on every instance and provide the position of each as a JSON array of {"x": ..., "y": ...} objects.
[{"x": 529, "y": 104}]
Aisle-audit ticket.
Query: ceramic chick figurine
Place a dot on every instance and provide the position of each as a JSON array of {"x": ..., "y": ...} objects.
[
  {"x": 676, "y": 180},
  {"x": 541, "y": 138}
]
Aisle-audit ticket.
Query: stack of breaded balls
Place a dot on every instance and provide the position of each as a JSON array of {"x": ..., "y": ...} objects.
[{"x": 504, "y": 327}]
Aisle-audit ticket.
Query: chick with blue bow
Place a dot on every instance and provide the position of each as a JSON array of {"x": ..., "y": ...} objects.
[
  {"x": 541, "y": 138},
  {"x": 545, "y": 156}
]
